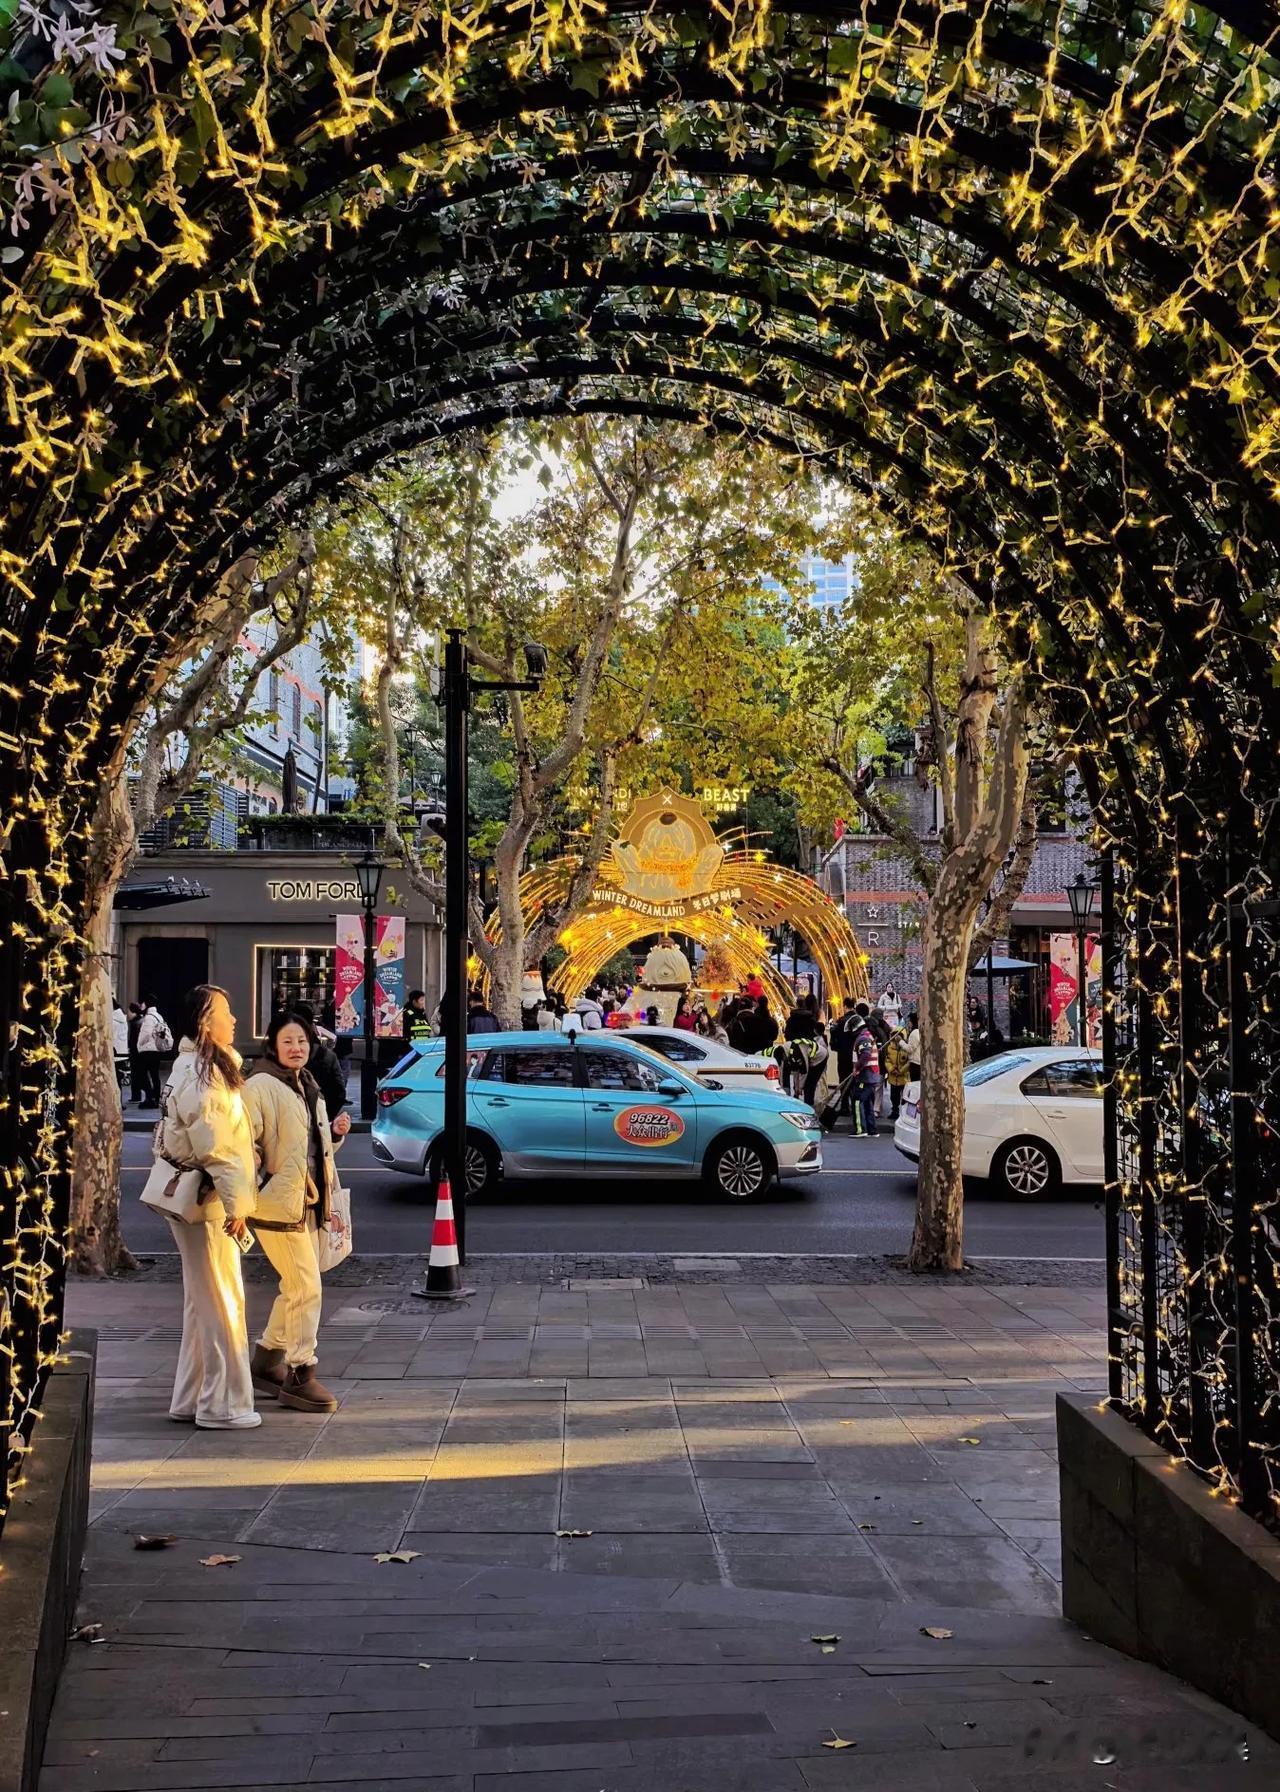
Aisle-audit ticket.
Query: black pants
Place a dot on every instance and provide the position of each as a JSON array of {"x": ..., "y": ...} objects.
[
  {"x": 149, "y": 1067},
  {"x": 895, "y": 1099},
  {"x": 137, "y": 1089},
  {"x": 811, "y": 1082},
  {"x": 848, "y": 1094}
]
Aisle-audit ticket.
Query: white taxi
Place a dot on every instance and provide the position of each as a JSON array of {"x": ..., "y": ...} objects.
[
  {"x": 1032, "y": 1120},
  {"x": 715, "y": 1065}
]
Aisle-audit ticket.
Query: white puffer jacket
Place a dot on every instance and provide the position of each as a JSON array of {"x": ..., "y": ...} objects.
[
  {"x": 282, "y": 1134},
  {"x": 153, "y": 1033},
  {"x": 207, "y": 1124}
]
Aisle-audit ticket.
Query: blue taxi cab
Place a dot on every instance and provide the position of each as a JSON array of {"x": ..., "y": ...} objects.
[{"x": 585, "y": 1106}]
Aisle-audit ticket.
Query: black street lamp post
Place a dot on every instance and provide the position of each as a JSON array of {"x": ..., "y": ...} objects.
[
  {"x": 369, "y": 871},
  {"x": 1082, "y": 895},
  {"x": 457, "y": 688}
]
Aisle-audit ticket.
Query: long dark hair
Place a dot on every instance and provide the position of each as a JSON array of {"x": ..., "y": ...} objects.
[{"x": 211, "y": 1059}]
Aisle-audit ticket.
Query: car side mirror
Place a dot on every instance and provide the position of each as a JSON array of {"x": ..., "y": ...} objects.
[
  {"x": 711, "y": 1082},
  {"x": 671, "y": 1088}
]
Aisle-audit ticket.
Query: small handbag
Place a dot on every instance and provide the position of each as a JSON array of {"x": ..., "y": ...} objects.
[{"x": 334, "y": 1240}]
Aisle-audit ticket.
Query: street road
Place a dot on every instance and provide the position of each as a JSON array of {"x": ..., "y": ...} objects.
[{"x": 861, "y": 1202}]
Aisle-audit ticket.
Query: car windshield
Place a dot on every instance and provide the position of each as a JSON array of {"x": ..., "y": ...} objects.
[
  {"x": 988, "y": 1068},
  {"x": 650, "y": 1051}
]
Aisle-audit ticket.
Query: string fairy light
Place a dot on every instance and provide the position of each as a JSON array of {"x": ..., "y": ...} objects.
[{"x": 1014, "y": 269}]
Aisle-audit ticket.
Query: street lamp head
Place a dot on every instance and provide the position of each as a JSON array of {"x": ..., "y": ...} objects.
[
  {"x": 535, "y": 659},
  {"x": 1081, "y": 895},
  {"x": 369, "y": 871}
]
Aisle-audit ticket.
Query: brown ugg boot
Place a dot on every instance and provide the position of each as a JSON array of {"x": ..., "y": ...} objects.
[
  {"x": 305, "y": 1392},
  {"x": 267, "y": 1367}
]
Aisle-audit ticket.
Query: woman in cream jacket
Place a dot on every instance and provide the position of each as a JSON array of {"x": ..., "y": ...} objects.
[
  {"x": 203, "y": 1123},
  {"x": 294, "y": 1141}
]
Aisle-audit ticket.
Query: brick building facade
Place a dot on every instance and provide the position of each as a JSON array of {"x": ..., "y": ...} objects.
[{"x": 885, "y": 904}]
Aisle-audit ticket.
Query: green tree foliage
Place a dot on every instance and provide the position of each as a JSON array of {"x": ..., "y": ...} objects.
[{"x": 646, "y": 560}]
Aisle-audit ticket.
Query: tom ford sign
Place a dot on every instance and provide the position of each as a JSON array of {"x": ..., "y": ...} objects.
[{"x": 313, "y": 889}]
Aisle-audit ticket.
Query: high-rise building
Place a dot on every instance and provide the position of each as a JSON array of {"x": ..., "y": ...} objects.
[
  {"x": 829, "y": 581},
  {"x": 299, "y": 710}
]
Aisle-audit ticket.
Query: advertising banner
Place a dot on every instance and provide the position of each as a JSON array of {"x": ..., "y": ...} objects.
[
  {"x": 348, "y": 975},
  {"x": 1064, "y": 979},
  {"x": 389, "y": 955}
]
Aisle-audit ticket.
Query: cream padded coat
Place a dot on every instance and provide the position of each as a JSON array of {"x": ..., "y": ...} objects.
[
  {"x": 208, "y": 1124},
  {"x": 278, "y": 1116}
]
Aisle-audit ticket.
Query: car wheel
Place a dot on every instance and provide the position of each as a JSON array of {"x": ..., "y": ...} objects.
[
  {"x": 739, "y": 1167},
  {"x": 483, "y": 1168},
  {"x": 1027, "y": 1169}
]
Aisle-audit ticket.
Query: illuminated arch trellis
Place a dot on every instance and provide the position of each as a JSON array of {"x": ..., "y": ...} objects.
[{"x": 1013, "y": 267}]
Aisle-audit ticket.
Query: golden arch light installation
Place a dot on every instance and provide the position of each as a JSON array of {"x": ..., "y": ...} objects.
[{"x": 667, "y": 869}]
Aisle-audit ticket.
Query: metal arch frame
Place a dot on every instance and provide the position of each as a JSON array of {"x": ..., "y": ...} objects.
[{"x": 1193, "y": 1349}]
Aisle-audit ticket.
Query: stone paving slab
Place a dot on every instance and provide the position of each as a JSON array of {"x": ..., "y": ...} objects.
[{"x": 735, "y": 1514}]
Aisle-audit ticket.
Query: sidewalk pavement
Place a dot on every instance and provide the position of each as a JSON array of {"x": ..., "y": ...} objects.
[{"x": 656, "y": 1539}]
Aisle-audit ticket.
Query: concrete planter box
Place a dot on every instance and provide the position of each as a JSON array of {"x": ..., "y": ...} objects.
[
  {"x": 1155, "y": 1564},
  {"x": 41, "y": 1552}
]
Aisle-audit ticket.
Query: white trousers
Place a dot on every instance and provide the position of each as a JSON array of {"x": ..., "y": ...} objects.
[
  {"x": 213, "y": 1380},
  {"x": 294, "y": 1322}
]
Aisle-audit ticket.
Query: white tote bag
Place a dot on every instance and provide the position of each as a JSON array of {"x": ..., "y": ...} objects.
[
  {"x": 180, "y": 1191},
  {"x": 175, "y": 1190},
  {"x": 334, "y": 1241}
]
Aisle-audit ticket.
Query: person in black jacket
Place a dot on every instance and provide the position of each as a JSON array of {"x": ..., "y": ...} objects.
[
  {"x": 324, "y": 1063},
  {"x": 766, "y": 1027},
  {"x": 742, "y": 1026},
  {"x": 843, "y": 1033}
]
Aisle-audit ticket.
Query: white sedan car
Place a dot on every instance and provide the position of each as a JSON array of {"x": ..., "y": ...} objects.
[
  {"x": 1032, "y": 1119},
  {"x": 710, "y": 1061}
]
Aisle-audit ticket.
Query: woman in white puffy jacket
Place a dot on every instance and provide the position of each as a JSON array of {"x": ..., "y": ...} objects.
[
  {"x": 203, "y": 1123},
  {"x": 294, "y": 1140}
]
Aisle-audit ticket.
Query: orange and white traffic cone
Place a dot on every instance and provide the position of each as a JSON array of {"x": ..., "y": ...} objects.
[{"x": 444, "y": 1279}]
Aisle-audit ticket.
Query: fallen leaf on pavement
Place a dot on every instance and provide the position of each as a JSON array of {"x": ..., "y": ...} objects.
[
  {"x": 838, "y": 1742},
  {"x": 424, "y": 1664},
  {"x": 573, "y": 1533},
  {"x": 970, "y": 1440},
  {"x": 917, "y": 1521},
  {"x": 153, "y": 1542},
  {"x": 866, "y": 1527},
  {"x": 217, "y": 1561},
  {"x": 88, "y": 1633},
  {"x": 935, "y": 1630},
  {"x": 824, "y": 1639},
  {"x": 398, "y": 1555}
]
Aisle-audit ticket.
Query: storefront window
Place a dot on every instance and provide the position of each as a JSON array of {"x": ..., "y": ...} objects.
[{"x": 287, "y": 975}]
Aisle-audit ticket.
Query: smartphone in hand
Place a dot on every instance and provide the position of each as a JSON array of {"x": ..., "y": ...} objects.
[{"x": 244, "y": 1240}]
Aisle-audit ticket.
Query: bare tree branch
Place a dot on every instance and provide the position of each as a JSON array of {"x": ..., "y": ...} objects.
[
  {"x": 973, "y": 722},
  {"x": 398, "y": 843},
  {"x": 187, "y": 713},
  {"x": 995, "y": 924},
  {"x": 883, "y": 819},
  {"x": 946, "y": 787}
]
